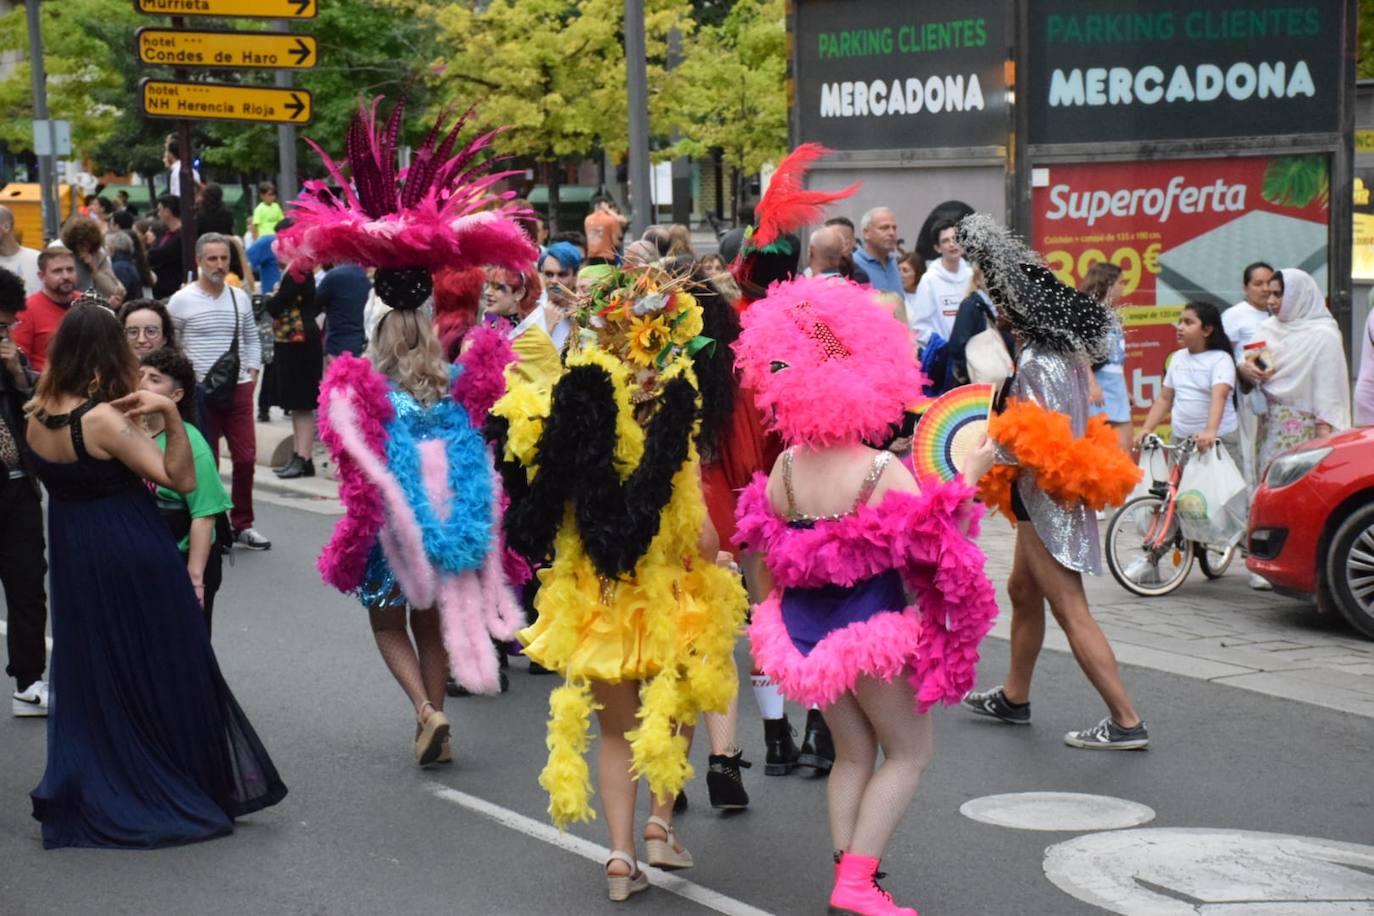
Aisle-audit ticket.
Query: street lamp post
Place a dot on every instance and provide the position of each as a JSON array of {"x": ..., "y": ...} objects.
[
  {"x": 47, "y": 164},
  {"x": 637, "y": 84}
]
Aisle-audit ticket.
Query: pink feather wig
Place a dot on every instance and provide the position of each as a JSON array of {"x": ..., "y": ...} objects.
[{"x": 827, "y": 364}]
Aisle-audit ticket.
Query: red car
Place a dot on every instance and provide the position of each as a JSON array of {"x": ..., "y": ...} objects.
[{"x": 1312, "y": 525}]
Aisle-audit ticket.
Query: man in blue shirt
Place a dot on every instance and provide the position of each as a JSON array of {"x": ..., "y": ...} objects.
[
  {"x": 342, "y": 296},
  {"x": 878, "y": 255}
]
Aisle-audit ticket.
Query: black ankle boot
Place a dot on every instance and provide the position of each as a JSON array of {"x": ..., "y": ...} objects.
[
  {"x": 298, "y": 467},
  {"x": 724, "y": 782},
  {"x": 782, "y": 750},
  {"x": 818, "y": 749}
]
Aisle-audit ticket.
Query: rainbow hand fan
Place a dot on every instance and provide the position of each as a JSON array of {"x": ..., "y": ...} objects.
[{"x": 949, "y": 429}]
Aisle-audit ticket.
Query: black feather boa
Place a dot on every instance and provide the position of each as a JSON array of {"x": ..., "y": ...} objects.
[{"x": 576, "y": 461}]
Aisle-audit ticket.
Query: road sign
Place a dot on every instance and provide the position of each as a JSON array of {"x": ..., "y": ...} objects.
[
  {"x": 52, "y": 138},
  {"x": 251, "y": 9},
  {"x": 224, "y": 102},
  {"x": 226, "y": 49}
]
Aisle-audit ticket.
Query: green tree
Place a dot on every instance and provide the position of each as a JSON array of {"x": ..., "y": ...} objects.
[
  {"x": 80, "y": 66},
  {"x": 551, "y": 71},
  {"x": 1364, "y": 52},
  {"x": 730, "y": 92},
  {"x": 365, "y": 50}
]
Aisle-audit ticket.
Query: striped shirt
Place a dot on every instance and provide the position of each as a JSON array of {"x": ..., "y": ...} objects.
[{"x": 205, "y": 328}]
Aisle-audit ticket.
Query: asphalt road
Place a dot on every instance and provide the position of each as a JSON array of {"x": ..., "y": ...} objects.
[{"x": 364, "y": 831}]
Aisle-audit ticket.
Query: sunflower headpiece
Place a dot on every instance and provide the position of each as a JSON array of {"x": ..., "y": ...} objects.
[{"x": 645, "y": 317}]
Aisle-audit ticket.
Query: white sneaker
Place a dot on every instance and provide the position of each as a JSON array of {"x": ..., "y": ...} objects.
[
  {"x": 250, "y": 538},
  {"x": 1143, "y": 572},
  {"x": 31, "y": 702},
  {"x": 1259, "y": 583}
]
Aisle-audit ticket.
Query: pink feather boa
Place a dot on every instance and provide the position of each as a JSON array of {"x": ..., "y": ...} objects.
[
  {"x": 483, "y": 379},
  {"x": 922, "y": 535},
  {"x": 344, "y": 559}
]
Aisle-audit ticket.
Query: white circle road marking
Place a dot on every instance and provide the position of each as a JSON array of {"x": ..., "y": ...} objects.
[
  {"x": 1057, "y": 811},
  {"x": 1160, "y": 871}
]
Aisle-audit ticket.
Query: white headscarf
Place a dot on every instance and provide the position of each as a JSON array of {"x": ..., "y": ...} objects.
[{"x": 1310, "y": 370}]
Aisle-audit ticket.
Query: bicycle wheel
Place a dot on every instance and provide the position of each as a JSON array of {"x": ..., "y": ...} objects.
[
  {"x": 1143, "y": 561},
  {"x": 1214, "y": 561}
]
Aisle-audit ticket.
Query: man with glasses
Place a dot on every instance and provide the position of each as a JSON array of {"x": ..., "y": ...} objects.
[
  {"x": 22, "y": 563},
  {"x": 558, "y": 269},
  {"x": 45, "y": 309}
]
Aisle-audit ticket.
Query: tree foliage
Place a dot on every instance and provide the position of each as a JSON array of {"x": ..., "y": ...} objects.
[
  {"x": 730, "y": 91},
  {"x": 81, "y": 70},
  {"x": 365, "y": 49},
  {"x": 552, "y": 71}
]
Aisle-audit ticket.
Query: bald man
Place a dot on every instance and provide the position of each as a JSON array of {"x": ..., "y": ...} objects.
[
  {"x": 824, "y": 251},
  {"x": 15, "y": 258}
]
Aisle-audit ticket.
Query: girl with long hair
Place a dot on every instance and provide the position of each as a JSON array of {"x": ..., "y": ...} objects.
[
  {"x": 146, "y": 744},
  {"x": 1196, "y": 393}
]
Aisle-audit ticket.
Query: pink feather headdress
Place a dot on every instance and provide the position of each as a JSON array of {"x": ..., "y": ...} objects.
[
  {"x": 439, "y": 212},
  {"x": 826, "y": 363}
]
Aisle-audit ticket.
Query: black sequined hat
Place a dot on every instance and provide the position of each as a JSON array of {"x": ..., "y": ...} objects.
[{"x": 1043, "y": 311}]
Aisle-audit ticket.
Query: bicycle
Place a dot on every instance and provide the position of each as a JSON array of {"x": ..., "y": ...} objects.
[{"x": 1147, "y": 551}]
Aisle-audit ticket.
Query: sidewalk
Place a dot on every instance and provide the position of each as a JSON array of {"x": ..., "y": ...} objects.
[{"x": 1220, "y": 631}]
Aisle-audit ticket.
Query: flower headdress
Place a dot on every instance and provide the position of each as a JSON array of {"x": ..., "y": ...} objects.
[
  {"x": 769, "y": 250},
  {"x": 826, "y": 363},
  {"x": 645, "y": 317},
  {"x": 439, "y": 212}
]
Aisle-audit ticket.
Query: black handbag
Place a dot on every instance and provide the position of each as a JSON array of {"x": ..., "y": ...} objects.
[{"x": 223, "y": 378}]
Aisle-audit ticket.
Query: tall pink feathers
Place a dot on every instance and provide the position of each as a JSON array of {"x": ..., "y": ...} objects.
[{"x": 442, "y": 211}]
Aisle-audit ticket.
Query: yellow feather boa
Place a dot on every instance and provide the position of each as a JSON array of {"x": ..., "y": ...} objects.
[{"x": 672, "y": 625}]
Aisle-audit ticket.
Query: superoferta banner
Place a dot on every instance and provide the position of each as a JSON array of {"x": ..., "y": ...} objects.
[{"x": 1181, "y": 231}]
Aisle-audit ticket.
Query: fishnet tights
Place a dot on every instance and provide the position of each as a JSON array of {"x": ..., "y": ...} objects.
[
  {"x": 422, "y": 668},
  {"x": 866, "y": 805},
  {"x": 720, "y": 727}
]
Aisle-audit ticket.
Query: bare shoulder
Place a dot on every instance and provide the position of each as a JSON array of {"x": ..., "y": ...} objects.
[{"x": 896, "y": 477}]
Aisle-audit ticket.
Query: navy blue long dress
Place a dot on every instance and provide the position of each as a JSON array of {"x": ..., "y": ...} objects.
[{"x": 146, "y": 745}]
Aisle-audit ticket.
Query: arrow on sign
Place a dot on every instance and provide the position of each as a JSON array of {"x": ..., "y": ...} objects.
[
  {"x": 296, "y": 106},
  {"x": 301, "y": 52},
  {"x": 302, "y": 6}
]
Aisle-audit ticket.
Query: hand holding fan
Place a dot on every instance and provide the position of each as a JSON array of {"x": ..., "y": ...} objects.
[{"x": 950, "y": 429}]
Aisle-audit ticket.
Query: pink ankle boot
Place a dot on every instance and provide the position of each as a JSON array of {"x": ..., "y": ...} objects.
[{"x": 857, "y": 892}]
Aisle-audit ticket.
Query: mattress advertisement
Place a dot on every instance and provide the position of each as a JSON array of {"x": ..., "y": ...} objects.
[{"x": 1181, "y": 231}]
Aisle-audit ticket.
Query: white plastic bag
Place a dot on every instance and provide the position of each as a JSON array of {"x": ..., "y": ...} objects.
[{"x": 1213, "y": 501}]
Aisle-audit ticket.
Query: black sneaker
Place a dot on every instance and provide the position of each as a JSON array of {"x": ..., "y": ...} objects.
[
  {"x": 994, "y": 703},
  {"x": 1108, "y": 736}
]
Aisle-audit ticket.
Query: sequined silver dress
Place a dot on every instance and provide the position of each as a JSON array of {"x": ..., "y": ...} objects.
[{"x": 1060, "y": 383}]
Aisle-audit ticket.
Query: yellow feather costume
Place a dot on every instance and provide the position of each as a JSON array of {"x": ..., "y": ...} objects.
[{"x": 671, "y": 624}]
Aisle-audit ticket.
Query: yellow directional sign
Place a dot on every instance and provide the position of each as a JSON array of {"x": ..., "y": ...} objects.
[
  {"x": 226, "y": 49},
  {"x": 252, "y": 9},
  {"x": 224, "y": 102}
]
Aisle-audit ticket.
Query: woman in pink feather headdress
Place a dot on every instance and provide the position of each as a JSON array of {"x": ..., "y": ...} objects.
[
  {"x": 877, "y": 598},
  {"x": 420, "y": 543}
]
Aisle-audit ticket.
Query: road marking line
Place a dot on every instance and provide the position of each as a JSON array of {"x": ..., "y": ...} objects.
[
  {"x": 4, "y": 628},
  {"x": 547, "y": 833}
]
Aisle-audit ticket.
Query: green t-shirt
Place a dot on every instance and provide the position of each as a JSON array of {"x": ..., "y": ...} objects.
[
  {"x": 208, "y": 498},
  {"x": 266, "y": 217}
]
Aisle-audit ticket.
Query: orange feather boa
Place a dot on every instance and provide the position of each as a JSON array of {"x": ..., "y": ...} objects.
[{"x": 1092, "y": 469}]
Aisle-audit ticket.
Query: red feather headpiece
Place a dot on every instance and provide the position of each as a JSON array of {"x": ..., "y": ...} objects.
[{"x": 787, "y": 206}]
